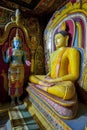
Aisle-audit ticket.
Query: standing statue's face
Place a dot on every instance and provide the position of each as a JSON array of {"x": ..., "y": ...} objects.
[
  {"x": 17, "y": 44},
  {"x": 60, "y": 40}
]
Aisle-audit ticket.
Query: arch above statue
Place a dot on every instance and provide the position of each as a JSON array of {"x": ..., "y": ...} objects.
[{"x": 75, "y": 19}]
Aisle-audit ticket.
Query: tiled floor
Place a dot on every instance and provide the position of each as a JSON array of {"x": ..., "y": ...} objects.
[{"x": 79, "y": 123}]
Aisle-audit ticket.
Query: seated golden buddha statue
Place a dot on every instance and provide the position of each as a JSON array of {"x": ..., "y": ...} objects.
[{"x": 64, "y": 69}]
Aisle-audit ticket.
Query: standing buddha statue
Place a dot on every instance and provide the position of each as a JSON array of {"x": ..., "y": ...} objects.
[{"x": 16, "y": 58}]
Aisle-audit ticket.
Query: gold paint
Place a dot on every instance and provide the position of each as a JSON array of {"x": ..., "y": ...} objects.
[{"x": 68, "y": 10}]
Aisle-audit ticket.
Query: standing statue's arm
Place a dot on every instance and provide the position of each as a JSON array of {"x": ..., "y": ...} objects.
[
  {"x": 27, "y": 62},
  {"x": 6, "y": 57}
]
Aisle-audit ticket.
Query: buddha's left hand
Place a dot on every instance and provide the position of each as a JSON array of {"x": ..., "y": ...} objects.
[{"x": 28, "y": 63}]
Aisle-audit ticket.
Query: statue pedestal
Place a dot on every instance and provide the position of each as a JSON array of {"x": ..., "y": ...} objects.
[{"x": 48, "y": 118}]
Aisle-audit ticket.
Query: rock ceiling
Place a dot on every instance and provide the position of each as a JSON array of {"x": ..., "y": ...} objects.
[{"x": 33, "y": 7}]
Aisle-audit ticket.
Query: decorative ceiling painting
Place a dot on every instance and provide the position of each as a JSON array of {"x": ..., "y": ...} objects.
[{"x": 34, "y": 7}]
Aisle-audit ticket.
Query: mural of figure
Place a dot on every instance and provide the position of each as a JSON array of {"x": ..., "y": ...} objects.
[{"x": 16, "y": 58}]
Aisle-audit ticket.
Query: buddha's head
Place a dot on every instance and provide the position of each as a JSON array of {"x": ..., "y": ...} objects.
[
  {"x": 61, "y": 39},
  {"x": 17, "y": 42}
]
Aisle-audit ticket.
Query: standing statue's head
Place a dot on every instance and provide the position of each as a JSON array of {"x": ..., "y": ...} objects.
[
  {"x": 61, "y": 39},
  {"x": 17, "y": 42}
]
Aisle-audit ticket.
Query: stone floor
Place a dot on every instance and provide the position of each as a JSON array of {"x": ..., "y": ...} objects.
[{"x": 79, "y": 123}]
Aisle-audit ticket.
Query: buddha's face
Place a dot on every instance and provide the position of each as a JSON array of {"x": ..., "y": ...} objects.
[{"x": 60, "y": 40}]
